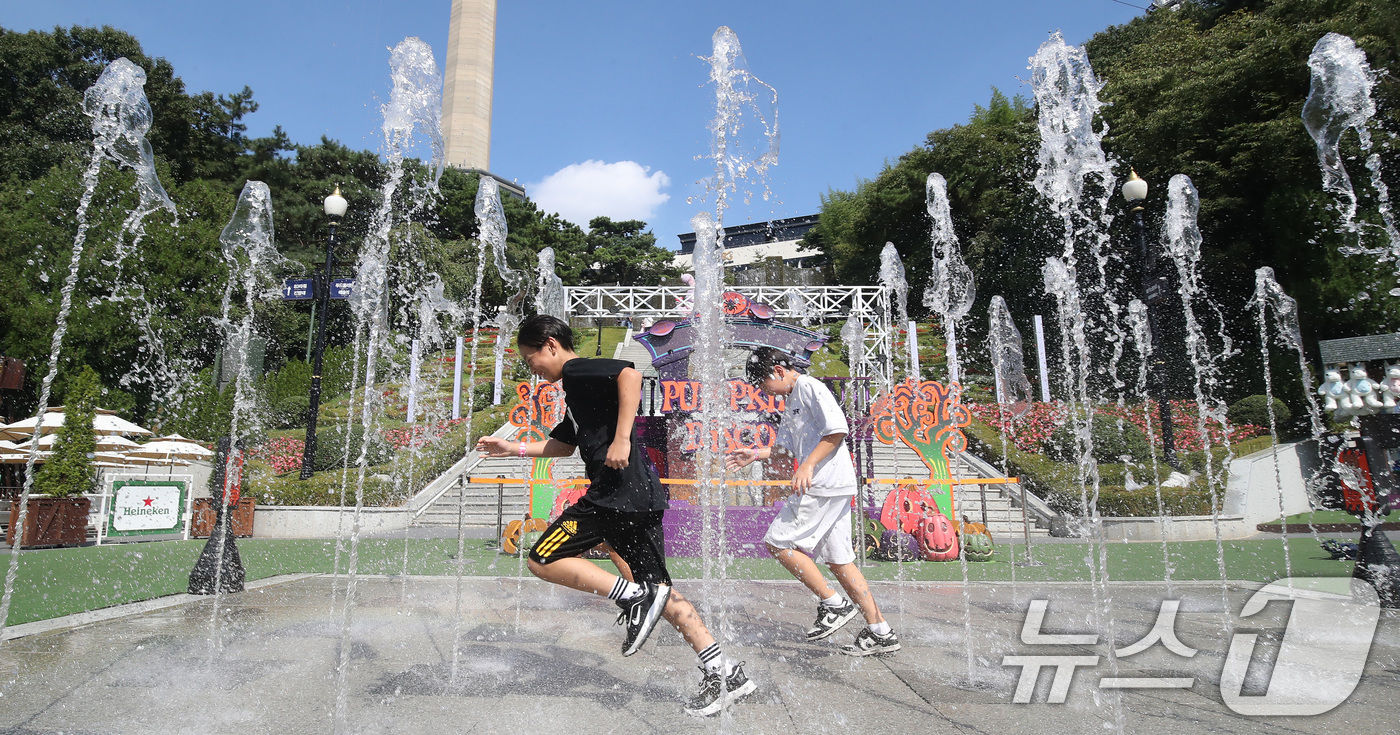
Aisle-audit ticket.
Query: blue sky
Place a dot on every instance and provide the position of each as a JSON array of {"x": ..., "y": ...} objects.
[{"x": 620, "y": 84}]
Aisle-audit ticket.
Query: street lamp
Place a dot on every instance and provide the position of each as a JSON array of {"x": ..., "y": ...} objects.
[
  {"x": 1154, "y": 289},
  {"x": 335, "y": 205}
]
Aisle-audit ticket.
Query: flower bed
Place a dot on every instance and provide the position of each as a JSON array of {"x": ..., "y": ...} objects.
[{"x": 282, "y": 455}]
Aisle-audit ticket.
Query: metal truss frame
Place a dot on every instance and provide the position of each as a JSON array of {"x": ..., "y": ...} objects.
[{"x": 869, "y": 304}]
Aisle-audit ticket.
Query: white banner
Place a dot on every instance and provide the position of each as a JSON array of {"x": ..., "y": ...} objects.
[{"x": 147, "y": 508}]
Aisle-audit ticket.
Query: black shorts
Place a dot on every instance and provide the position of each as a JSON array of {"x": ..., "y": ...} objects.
[{"x": 636, "y": 537}]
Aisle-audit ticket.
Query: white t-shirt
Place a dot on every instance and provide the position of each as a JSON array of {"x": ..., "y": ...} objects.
[{"x": 812, "y": 413}]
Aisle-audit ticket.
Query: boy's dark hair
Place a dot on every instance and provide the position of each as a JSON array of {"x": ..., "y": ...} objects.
[
  {"x": 761, "y": 362},
  {"x": 538, "y": 329}
]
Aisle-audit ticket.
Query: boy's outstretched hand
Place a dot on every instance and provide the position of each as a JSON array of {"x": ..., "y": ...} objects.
[
  {"x": 740, "y": 457},
  {"x": 495, "y": 446}
]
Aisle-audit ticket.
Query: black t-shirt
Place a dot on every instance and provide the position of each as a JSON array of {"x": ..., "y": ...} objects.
[{"x": 591, "y": 396}]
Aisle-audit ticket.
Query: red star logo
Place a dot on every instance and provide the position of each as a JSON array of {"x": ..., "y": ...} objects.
[{"x": 149, "y": 500}]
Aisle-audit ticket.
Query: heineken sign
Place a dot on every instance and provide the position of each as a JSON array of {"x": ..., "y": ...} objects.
[{"x": 146, "y": 507}]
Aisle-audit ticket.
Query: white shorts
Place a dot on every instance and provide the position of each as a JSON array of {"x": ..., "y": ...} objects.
[{"x": 819, "y": 527}]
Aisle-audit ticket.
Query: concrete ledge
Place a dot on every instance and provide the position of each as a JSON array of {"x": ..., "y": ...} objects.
[
  {"x": 77, "y": 620},
  {"x": 319, "y": 521},
  {"x": 1182, "y": 528}
]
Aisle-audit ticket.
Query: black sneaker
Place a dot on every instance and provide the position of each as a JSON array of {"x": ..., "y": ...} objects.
[
  {"x": 830, "y": 619},
  {"x": 717, "y": 692},
  {"x": 869, "y": 644},
  {"x": 640, "y": 614}
]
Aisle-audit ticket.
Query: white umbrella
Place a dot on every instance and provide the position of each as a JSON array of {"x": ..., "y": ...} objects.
[
  {"x": 108, "y": 443},
  {"x": 104, "y": 421},
  {"x": 129, "y": 460},
  {"x": 167, "y": 449},
  {"x": 24, "y": 457},
  {"x": 21, "y": 430}
]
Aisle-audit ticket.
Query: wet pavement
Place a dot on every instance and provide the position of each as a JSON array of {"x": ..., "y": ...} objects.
[{"x": 529, "y": 657}]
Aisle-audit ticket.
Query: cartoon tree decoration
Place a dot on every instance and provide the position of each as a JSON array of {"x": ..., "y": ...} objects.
[
  {"x": 540, "y": 409},
  {"x": 927, "y": 418}
]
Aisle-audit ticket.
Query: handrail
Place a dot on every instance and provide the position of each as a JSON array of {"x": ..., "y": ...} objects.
[{"x": 770, "y": 483}]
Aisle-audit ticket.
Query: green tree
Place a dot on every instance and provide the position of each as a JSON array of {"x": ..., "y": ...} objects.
[
  {"x": 42, "y": 123},
  {"x": 69, "y": 470}
]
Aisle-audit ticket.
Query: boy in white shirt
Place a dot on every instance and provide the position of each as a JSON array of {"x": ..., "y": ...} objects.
[{"x": 815, "y": 522}]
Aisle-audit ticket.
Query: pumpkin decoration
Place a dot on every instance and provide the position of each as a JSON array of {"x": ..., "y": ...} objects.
[
  {"x": 977, "y": 541},
  {"x": 870, "y": 535},
  {"x": 521, "y": 535},
  {"x": 567, "y": 497},
  {"x": 903, "y": 507}
]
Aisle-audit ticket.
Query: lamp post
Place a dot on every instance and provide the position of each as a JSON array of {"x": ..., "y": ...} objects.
[
  {"x": 1155, "y": 288},
  {"x": 335, "y": 209}
]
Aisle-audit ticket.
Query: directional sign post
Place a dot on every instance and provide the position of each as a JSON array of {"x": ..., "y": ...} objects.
[
  {"x": 298, "y": 289},
  {"x": 341, "y": 288}
]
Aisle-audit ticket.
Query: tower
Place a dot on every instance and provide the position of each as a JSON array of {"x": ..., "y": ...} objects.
[{"x": 466, "y": 95}]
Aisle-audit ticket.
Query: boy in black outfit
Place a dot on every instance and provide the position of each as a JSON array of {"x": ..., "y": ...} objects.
[{"x": 623, "y": 505}]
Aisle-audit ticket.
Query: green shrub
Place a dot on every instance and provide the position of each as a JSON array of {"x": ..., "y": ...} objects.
[
  {"x": 330, "y": 447},
  {"x": 1119, "y": 502},
  {"x": 324, "y": 488},
  {"x": 199, "y": 410},
  {"x": 337, "y": 371},
  {"x": 1254, "y": 410},
  {"x": 290, "y": 412},
  {"x": 294, "y": 379},
  {"x": 1111, "y": 442},
  {"x": 481, "y": 397}
]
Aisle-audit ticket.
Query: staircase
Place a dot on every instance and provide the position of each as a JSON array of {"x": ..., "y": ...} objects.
[
  {"x": 1002, "y": 502},
  {"x": 447, "y": 502},
  {"x": 634, "y": 352}
]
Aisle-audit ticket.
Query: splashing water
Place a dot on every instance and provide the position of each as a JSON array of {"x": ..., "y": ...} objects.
[
  {"x": 1013, "y": 392},
  {"x": 1075, "y": 175},
  {"x": 893, "y": 281},
  {"x": 853, "y": 339},
  {"x": 121, "y": 117},
  {"x": 1140, "y": 322},
  {"x": 799, "y": 306},
  {"x": 414, "y": 109},
  {"x": 743, "y": 146},
  {"x": 1008, "y": 360},
  {"x": 1268, "y": 294},
  {"x": 491, "y": 221},
  {"x": 250, "y": 252},
  {"x": 549, "y": 295},
  {"x": 1075, "y": 178},
  {"x": 1340, "y": 100},
  {"x": 951, "y": 288},
  {"x": 743, "y": 102},
  {"x": 1183, "y": 238}
]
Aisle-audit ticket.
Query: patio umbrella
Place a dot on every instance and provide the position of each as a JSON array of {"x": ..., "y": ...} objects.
[
  {"x": 104, "y": 421},
  {"x": 171, "y": 449},
  {"x": 22, "y": 457},
  {"x": 108, "y": 443}
]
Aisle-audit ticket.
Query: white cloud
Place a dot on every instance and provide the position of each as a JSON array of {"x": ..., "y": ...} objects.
[{"x": 581, "y": 191}]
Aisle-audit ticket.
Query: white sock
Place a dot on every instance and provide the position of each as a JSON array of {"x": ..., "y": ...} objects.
[
  {"x": 833, "y": 601},
  {"x": 624, "y": 590},
  {"x": 713, "y": 660},
  {"x": 881, "y": 628}
]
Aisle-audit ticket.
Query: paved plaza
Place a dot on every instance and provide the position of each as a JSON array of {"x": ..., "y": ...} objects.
[{"x": 533, "y": 658}]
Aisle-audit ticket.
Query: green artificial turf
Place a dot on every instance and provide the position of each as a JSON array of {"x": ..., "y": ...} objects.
[
  {"x": 55, "y": 582},
  {"x": 1322, "y": 516}
]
